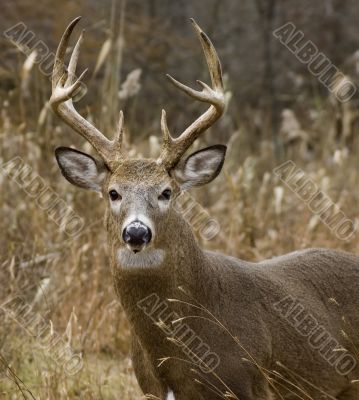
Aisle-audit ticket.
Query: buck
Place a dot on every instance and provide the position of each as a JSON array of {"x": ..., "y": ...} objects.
[{"x": 205, "y": 325}]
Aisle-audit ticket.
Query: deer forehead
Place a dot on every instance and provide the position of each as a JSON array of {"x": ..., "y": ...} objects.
[{"x": 140, "y": 171}]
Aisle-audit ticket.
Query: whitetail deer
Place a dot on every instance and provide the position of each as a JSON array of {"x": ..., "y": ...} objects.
[{"x": 229, "y": 308}]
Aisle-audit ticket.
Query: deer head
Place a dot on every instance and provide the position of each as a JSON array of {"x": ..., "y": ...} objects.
[{"x": 138, "y": 192}]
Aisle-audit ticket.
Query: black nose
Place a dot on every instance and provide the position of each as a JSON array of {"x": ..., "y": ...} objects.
[{"x": 137, "y": 234}]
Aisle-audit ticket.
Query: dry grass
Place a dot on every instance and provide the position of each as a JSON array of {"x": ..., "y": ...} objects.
[{"x": 68, "y": 281}]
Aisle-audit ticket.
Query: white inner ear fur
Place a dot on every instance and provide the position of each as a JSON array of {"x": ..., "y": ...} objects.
[
  {"x": 199, "y": 168},
  {"x": 82, "y": 170},
  {"x": 203, "y": 164}
]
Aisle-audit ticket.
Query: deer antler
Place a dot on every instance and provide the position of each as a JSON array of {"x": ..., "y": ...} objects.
[
  {"x": 64, "y": 87},
  {"x": 174, "y": 148}
]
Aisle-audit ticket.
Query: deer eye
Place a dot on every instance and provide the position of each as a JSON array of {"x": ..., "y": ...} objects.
[
  {"x": 114, "y": 195},
  {"x": 165, "y": 195}
]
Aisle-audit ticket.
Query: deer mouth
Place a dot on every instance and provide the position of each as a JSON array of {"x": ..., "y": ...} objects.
[
  {"x": 135, "y": 249},
  {"x": 135, "y": 259}
]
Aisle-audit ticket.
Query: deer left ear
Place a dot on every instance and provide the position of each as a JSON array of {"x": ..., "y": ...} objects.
[
  {"x": 200, "y": 167},
  {"x": 81, "y": 169}
]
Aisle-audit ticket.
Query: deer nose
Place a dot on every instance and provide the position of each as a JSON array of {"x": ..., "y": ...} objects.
[{"x": 137, "y": 234}]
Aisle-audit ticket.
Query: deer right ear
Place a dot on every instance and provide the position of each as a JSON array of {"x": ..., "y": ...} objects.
[
  {"x": 200, "y": 167},
  {"x": 80, "y": 169}
]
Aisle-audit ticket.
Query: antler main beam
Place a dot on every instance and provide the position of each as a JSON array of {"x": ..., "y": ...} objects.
[
  {"x": 64, "y": 87},
  {"x": 174, "y": 148}
]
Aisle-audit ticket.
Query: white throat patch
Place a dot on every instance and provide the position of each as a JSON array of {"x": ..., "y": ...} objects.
[{"x": 147, "y": 258}]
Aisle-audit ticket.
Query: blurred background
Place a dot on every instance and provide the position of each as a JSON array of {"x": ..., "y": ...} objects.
[{"x": 277, "y": 111}]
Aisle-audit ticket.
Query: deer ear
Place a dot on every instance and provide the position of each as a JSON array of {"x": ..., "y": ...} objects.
[
  {"x": 80, "y": 169},
  {"x": 200, "y": 167}
]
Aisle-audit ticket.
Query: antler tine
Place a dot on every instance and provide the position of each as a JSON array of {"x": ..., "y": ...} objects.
[
  {"x": 64, "y": 87},
  {"x": 74, "y": 59},
  {"x": 120, "y": 127},
  {"x": 174, "y": 148},
  {"x": 212, "y": 59},
  {"x": 164, "y": 127},
  {"x": 59, "y": 65}
]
